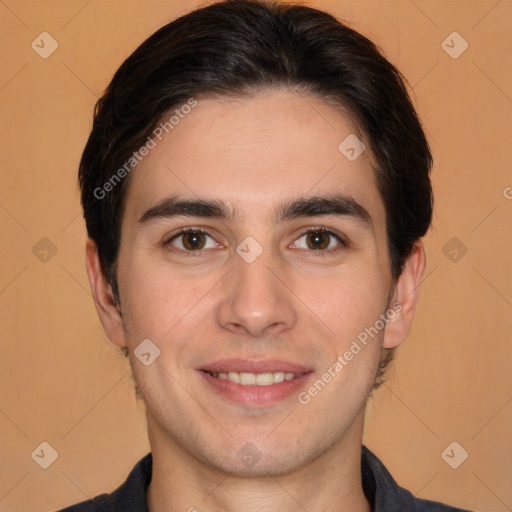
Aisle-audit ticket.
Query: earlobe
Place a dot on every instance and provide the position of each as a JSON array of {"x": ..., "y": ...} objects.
[
  {"x": 108, "y": 310},
  {"x": 406, "y": 296}
]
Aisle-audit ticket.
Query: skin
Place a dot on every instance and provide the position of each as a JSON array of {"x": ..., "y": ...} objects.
[{"x": 288, "y": 304}]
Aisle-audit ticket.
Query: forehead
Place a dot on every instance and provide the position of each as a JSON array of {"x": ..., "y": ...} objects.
[{"x": 254, "y": 153}]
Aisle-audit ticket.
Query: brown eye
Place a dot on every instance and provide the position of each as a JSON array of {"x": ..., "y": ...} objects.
[
  {"x": 317, "y": 239},
  {"x": 193, "y": 240},
  {"x": 190, "y": 240},
  {"x": 321, "y": 241}
]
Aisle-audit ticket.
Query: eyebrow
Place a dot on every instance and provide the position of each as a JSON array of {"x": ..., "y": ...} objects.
[{"x": 332, "y": 204}]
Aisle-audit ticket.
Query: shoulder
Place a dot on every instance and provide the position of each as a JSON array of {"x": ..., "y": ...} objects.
[
  {"x": 131, "y": 495},
  {"x": 433, "y": 506},
  {"x": 387, "y": 496},
  {"x": 97, "y": 504}
]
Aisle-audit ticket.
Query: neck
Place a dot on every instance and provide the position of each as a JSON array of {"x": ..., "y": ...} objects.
[{"x": 331, "y": 482}]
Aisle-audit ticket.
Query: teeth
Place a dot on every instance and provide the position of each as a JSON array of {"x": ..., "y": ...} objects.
[
  {"x": 234, "y": 377},
  {"x": 278, "y": 377},
  {"x": 247, "y": 379},
  {"x": 255, "y": 379},
  {"x": 264, "y": 379}
]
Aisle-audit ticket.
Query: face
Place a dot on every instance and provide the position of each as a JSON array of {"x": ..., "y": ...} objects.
[{"x": 279, "y": 272}]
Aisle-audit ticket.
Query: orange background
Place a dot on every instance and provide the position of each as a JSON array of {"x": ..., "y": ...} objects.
[{"x": 63, "y": 382}]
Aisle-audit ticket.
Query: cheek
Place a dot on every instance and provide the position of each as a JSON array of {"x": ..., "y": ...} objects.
[
  {"x": 353, "y": 311},
  {"x": 161, "y": 305},
  {"x": 356, "y": 299}
]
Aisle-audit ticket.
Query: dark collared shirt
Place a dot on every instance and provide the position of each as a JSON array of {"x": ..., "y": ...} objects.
[{"x": 380, "y": 489}]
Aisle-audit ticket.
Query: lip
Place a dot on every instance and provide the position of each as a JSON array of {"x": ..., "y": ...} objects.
[
  {"x": 248, "y": 366},
  {"x": 255, "y": 395}
]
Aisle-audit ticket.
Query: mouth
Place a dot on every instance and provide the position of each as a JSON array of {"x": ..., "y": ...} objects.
[
  {"x": 255, "y": 379},
  {"x": 254, "y": 383}
]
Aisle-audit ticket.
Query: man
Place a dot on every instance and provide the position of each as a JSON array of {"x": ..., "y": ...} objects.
[{"x": 255, "y": 189}]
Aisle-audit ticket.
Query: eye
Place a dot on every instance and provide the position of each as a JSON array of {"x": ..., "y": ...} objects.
[
  {"x": 193, "y": 241},
  {"x": 190, "y": 240},
  {"x": 321, "y": 240}
]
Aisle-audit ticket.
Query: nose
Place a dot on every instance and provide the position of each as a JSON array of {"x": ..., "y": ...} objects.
[{"x": 257, "y": 299}]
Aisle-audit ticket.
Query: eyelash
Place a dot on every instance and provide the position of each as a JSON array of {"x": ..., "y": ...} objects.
[{"x": 317, "y": 253}]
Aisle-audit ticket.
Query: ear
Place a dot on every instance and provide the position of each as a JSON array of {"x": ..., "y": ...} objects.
[
  {"x": 108, "y": 310},
  {"x": 405, "y": 296}
]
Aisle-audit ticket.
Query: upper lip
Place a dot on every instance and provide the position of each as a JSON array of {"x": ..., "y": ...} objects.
[{"x": 248, "y": 366}]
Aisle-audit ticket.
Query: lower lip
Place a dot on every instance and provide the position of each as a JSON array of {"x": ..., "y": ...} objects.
[{"x": 256, "y": 395}]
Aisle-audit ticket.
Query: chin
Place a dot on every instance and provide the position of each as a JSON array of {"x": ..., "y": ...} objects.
[
  {"x": 260, "y": 469},
  {"x": 247, "y": 459}
]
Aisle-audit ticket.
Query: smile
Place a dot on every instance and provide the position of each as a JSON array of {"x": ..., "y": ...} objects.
[
  {"x": 255, "y": 389},
  {"x": 254, "y": 379}
]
